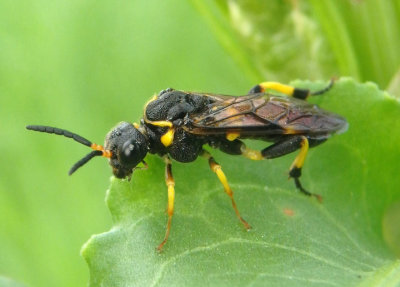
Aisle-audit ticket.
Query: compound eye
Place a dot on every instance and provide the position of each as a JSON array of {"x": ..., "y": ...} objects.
[
  {"x": 128, "y": 148},
  {"x": 128, "y": 152}
]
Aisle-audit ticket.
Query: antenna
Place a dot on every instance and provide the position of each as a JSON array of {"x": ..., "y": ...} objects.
[
  {"x": 98, "y": 150},
  {"x": 84, "y": 160}
]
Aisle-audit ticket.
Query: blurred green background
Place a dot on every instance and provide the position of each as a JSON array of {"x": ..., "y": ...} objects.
[
  {"x": 83, "y": 66},
  {"x": 86, "y": 65}
]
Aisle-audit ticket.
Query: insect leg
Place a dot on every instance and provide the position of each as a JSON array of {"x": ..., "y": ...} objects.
[
  {"x": 237, "y": 147},
  {"x": 289, "y": 90},
  {"x": 324, "y": 90},
  {"x": 169, "y": 180},
  {"x": 284, "y": 147},
  {"x": 215, "y": 167}
]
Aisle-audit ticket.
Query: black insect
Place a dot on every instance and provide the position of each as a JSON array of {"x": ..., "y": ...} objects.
[{"x": 177, "y": 124}]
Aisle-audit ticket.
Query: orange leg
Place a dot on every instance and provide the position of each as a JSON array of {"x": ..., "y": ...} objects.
[{"x": 169, "y": 180}]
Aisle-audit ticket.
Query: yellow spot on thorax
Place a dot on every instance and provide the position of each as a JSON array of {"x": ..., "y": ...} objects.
[
  {"x": 162, "y": 124},
  {"x": 168, "y": 137}
]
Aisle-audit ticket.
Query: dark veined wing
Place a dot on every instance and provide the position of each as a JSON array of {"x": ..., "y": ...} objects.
[{"x": 263, "y": 114}]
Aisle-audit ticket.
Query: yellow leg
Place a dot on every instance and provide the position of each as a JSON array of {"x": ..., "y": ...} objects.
[
  {"x": 300, "y": 158},
  {"x": 169, "y": 180},
  {"x": 295, "y": 168},
  {"x": 284, "y": 89},
  {"x": 289, "y": 90},
  {"x": 215, "y": 167}
]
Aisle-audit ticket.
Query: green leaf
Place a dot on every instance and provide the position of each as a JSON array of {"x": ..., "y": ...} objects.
[{"x": 295, "y": 240}]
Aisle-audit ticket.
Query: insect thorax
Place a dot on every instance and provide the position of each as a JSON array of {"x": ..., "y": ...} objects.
[{"x": 174, "y": 106}]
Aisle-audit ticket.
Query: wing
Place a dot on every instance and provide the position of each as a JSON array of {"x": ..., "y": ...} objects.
[{"x": 263, "y": 114}]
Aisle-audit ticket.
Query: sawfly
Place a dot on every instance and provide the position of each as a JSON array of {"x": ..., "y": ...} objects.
[{"x": 176, "y": 125}]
